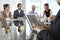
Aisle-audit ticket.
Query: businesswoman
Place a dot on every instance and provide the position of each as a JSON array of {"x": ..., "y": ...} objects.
[
  {"x": 47, "y": 12},
  {"x": 6, "y": 16}
]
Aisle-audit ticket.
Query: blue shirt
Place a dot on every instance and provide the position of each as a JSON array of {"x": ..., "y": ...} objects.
[{"x": 34, "y": 12}]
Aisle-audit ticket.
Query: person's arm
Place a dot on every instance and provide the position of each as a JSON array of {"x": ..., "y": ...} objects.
[
  {"x": 23, "y": 13},
  {"x": 50, "y": 13},
  {"x": 49, "y": 18},
  {"x": 11, "y": 16},
  {"x": 14, "y": 15},
  {"x": 37, "y": 14},
  {"x": 2, "y": 16},
  {"x": 37, "y": 28},
  {"x": 43, "y": 14},
  {"x": 44, "y": 25}
]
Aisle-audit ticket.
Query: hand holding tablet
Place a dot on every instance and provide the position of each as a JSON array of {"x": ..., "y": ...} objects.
[
  {"x": 37, "y": 28},
  {"x": 33, "y": 20}
]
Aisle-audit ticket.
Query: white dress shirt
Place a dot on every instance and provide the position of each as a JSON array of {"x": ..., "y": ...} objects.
[{"x": 19, "y": 11}]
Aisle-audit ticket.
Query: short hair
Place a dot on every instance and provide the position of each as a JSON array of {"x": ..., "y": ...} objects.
[
  {"x": 5, "y": 6},
  {"x": 46, "y": 4},
  {"x": 19, "y": 4},
  {"x": 33, "y": 5}
]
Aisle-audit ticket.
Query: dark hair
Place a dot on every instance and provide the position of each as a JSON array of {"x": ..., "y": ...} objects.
[
  {"x": 5, "y": 6},
  {"x": 19, "y": 4},
  {"x": 46, "y": 4}
]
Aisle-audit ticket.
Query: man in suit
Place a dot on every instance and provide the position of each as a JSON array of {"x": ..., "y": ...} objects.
[
  {"x": 52, "y": 33},
  {"x": 19, "y": 13}
]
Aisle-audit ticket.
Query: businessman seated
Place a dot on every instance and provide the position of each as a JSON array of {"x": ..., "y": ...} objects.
[
  {"x": 52, "y": 33},
  {"x": 18, "y": 14}
]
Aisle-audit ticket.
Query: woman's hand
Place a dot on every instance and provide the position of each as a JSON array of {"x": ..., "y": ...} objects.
[
  {"x": 44, "y": 25},
  {"x": 12, "y": 17},
  {"x": 41, "y": 23},
  {"x": 52, "y": 18}
]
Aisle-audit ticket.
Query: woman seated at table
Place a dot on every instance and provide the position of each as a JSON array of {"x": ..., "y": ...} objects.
[
  {"x": 6, "y": 16},
  {"x": 47, "y": 12}
]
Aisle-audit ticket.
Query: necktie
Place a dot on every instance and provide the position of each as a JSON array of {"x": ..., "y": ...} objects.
[{"x": 33, "y": 12}]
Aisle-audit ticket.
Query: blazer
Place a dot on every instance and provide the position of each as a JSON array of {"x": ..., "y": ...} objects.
[
  {"x": 53, "y": 33},
  {"x": 16, "y": 15},
  {"x": 3, "y": 19}
]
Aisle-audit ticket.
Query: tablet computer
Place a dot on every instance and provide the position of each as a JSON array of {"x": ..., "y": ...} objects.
[{"x": 32, "y": 19}]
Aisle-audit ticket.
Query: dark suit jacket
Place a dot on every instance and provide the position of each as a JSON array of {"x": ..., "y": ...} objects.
[
  {"x": 53, "y": 33},
  {"x": 16, "y": 15}
]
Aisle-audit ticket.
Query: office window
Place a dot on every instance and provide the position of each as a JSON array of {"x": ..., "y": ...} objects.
[
  {"x": 29, "y": 3},
  {"x": 53, "y": 6},
  {"x": 38, "y": 3},
  {"x": 13, "y": 4}
]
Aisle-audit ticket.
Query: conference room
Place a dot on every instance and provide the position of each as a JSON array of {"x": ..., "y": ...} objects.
[{"x": 28, "y": 19}]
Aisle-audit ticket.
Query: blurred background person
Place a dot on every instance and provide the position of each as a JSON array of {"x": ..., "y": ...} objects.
[
  {"x": 33, "y": 11},
  {"x": 18, "y": 14},
  {"x": 47, "y": 12},
  {"x": 6, "y": 16}
]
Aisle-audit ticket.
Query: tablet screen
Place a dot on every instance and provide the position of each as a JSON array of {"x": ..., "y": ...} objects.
[{"x": 32, "y": 19}]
